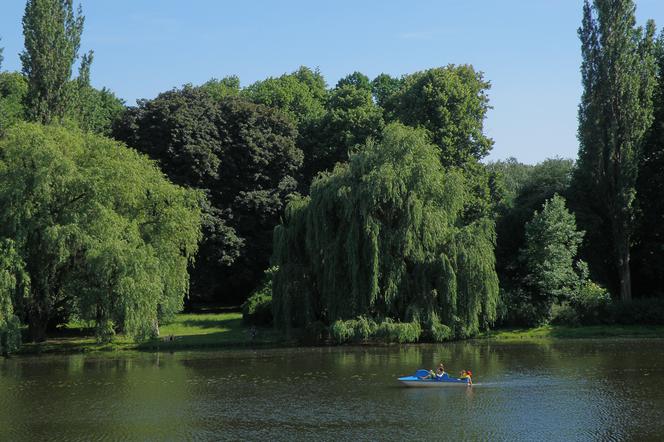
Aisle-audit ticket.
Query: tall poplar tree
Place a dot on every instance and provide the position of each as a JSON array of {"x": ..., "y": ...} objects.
[
  {"x": 649, "y": 249},
  {"x": 615, "y": 112},
  {"x": 52, "y": 32}
]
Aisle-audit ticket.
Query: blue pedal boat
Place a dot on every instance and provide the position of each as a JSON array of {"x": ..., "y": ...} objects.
[{"x": 444, "y": 381}]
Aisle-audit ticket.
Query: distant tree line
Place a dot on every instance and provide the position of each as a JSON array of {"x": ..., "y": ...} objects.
[{"x": 369, "y": 201}]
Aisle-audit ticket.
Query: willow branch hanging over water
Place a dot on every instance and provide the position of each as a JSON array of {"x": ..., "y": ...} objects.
[{"x": 383, "y": 236}]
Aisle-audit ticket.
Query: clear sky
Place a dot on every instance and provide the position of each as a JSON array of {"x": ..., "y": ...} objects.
[{"x": 528, "y": 49}]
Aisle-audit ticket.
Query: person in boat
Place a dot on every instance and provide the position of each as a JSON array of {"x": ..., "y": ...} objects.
[
  {"x": 467, "y": 374},
  {"x": 440, "y": 372},
  {"x": 436, "y": 375}
]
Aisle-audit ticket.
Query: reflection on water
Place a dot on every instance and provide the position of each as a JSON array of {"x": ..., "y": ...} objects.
[{"x": 568, "y": 390}]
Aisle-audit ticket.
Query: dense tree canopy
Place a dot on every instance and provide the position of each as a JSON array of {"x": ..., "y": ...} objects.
[
  {"x": 383, "y": 208},
  {"x": 649, "y": 248},
  {"x": 383, "y": 87},
  {"x": 351, "y": 118},
  {"x": 450, "y": 103},
  {"x": 301, "y": 95},
  {"x": 382, "y": 235},
  {"x": 243, "y": 156},
  {"x": 226, "y": 87},
  {"x": 96, "y": 228},
  {"x": 13, "y": 89},
  {"x": 618, "y": 76},
  {"x": 526, "y": 188}
]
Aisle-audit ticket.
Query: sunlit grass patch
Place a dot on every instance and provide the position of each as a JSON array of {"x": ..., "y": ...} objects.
[{"x": 568, "y": 332}]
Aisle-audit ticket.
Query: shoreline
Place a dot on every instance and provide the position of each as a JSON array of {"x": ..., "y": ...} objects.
[{"x": 226, "y": 331}]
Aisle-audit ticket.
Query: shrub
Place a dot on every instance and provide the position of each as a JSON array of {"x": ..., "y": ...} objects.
[
  {"x": 400, "y": 332},
  {"x": 363, "y": 328},
  {"x": 564, "y": 314},
  {"x": 10, "y": 335},
  {"x": 257, "y": 309},
  {"x": 359, "y": 329},
  {"x": 105, "y": 332},
  {"x": 441, "y": 333},
  {"x": 590, "y": 303},
  {"x": 341, "y": 331},
  {"x": 517, "y": 309},
  {"x": 437, "y": 332},
  {"x": 644, "y": 311}
]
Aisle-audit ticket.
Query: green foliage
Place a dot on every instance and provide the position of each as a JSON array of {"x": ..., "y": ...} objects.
[
  {"x": 257, "y": 309},
  {"x": 616, "y": 110},
  {"x": 13, "y": 89},
  {"x": 100, "y": 231},
  {"x": 648, "y": 253},
  {"x": 351, "y": 118},
  {"x": 357, "y": 80},
  {"x": 383, "y": 236},
  {"x": 52, "y": 32},
  {"x": 510, "y": 177},
  {"x": 643, "y": 311},
  {"x": 301, "y": 94},
  {"x": 362, "y": 329},
  {"x": 520, "y": 190},
  {"x": 552, "y": 241},
  {"x": 219, "y": 89},
  {"x": 401, "y": 332},
  {"x": 437, "y": 332},
  {"x": 383, "y": 87},
  {"x": 517, "y": 308},
  {"x": 590, "y": 302},
  {"x": 13, "y": 288},
  {"x": 243, "y": 156},
  {"x": 357, "y": 330},
  {"x": 451, "y": 104},
  {"x": 94, "y": 110}
]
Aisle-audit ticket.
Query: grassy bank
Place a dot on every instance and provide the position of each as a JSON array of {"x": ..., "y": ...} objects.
[
  {"x": 568, "y": 332},
  {"x": 222, "y": 330},
  {"x": 186, "y": 331}
]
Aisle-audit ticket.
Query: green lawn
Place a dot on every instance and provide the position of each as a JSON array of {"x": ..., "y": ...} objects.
[
  {"x": 210, "y": 330},
  {"x": 186, "y": 331},
  {"x": 567, "y": 332}
]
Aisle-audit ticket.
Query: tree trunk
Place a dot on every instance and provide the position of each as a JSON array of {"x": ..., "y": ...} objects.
[
  {"x": 4, "y": 344},
  {"x": 37, "y": 328},
  {"x": 623, "y": 266},
  {"x": 38, "y": 317},
  {"x": 625, "y": 278}
]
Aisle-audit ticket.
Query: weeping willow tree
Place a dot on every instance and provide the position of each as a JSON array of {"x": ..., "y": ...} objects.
[
  {"x": 12, "y": 291},
  {"x": 383, "y": 236}
]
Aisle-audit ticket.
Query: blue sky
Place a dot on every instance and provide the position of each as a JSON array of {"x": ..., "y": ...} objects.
[{"x": 528, "y": 49}]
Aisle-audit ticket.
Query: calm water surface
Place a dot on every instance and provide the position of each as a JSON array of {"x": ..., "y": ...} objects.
[{"x": 568, "y": 390}]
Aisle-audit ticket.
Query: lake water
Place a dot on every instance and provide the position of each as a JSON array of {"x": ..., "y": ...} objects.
[{"x": 567, "y": 390}]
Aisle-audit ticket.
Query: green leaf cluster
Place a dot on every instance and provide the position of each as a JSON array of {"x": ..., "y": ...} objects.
[
  {"x": 549, "y": 255},
  {"x": 615, "y": 113},
  {"x": 52, "y": 31},
  {"x": 243, "y": 156},
  {"x": 97, "y": 229},
  {"x": 383, "y": 235}
]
